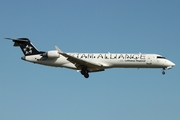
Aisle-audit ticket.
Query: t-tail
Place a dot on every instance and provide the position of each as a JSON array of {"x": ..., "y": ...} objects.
[{"x": 26, "y": 46}]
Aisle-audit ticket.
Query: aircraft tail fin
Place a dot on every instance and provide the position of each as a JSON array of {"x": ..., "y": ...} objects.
[{"x": 26, "y": 46}]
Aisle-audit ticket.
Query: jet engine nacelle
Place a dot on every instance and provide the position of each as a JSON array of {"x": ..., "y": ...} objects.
[{"x": 51, "y": 54}]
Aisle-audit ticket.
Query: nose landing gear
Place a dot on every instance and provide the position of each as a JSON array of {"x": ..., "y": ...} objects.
[{"x": 163, "y": 71}]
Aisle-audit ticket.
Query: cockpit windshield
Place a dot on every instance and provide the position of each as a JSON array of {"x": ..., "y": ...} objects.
[{"x": 160, "y": 57}]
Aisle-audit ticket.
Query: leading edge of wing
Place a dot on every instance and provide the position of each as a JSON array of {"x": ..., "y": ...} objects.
[{"x": 79, "y": 62}]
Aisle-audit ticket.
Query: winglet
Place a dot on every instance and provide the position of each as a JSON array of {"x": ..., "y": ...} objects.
[{"x": 59, "y": 51}]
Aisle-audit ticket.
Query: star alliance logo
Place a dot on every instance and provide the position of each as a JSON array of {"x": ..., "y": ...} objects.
[{"x": 28, "y": 49}]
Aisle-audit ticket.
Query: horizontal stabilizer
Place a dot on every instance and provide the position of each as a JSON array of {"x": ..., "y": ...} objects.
[
  {"x": 26, "y": 46},
  {"x": 17, "y": 41}
]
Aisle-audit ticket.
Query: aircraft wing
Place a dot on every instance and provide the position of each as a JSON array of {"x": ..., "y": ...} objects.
[{"x": 80, "y": 63}]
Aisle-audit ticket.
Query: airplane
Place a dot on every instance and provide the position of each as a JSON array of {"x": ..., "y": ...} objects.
[{"x": 86, "y": 63}]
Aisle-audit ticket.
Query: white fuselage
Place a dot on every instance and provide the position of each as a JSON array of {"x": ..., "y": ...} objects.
[
  {"x": 89, "y": 62},
  {"x": 105, "y": 60}
]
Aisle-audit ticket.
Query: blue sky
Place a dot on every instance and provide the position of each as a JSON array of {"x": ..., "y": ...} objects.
[{"x": 29, "y": 91}]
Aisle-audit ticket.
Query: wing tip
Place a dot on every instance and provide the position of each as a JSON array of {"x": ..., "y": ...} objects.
[{"x": 59, "y": 51}]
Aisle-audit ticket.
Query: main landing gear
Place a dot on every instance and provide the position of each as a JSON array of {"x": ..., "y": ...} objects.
[
  {"x": 84, "y": 72},
  {"x": 163, "y": 71}
]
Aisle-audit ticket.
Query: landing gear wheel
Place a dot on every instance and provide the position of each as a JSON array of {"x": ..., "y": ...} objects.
[
  {"x": 84, "y": 72},
  {"x": 163, "y": 72},
  {"x": 86, "y": 75}
]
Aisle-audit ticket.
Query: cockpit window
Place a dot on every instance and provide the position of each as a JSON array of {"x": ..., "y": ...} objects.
[{"x": 160, "y": 57}]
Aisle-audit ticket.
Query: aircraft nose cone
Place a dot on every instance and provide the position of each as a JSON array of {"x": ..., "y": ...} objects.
[
  {"x": 173, "y": 64},
  {"x": 170, "y": 65}
]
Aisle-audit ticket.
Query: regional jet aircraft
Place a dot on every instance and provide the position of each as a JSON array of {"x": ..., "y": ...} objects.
[{"x": 86, "y": 63}]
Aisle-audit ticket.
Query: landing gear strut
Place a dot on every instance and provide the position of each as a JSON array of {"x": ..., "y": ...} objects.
[
  {"x": 163, "y": 72},
  {"x": 84, "y": 72}
]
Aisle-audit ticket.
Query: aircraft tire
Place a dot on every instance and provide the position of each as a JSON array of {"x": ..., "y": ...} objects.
[
  {"x": 86, "y": 75},
  {"x": 82, "y": 72}
]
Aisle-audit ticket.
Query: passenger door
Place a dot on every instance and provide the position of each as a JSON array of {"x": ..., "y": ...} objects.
[{"x": 149, "y": 60}]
